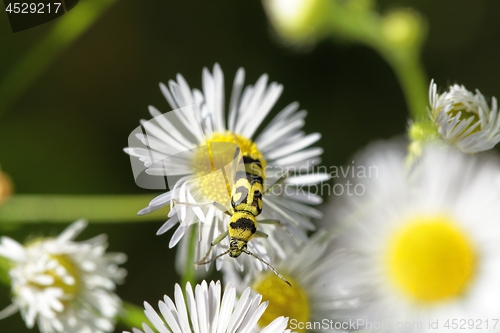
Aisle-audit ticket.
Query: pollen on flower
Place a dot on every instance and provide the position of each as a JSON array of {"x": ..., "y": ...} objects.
[
  {"x": 219, "y": 154},
  {"x": 283, "y": 300},
  {"x": 65, "y": 275},
  {"x": 465, "y": 112},
  {"x": 430, "y": 259},
  {"x": 58, "y": 270}
]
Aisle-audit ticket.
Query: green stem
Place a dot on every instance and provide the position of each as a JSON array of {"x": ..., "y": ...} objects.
[
  {"x": 365, "y": 27},
  {"x": 132, "y": 316},
  {"x": 189, "y": 271},
  {"x": 66, "y": 208},
  {"x": 67, "y": 29},
  {"x": 4, "y": 271},
  {"x": 410, "y": 73}
]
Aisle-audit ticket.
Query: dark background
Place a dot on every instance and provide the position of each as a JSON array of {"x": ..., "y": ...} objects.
[{"x": 66, "y": 133}]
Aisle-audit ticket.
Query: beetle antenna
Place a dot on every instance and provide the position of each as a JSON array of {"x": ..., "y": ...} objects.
[{"x": 268, "y": 265}]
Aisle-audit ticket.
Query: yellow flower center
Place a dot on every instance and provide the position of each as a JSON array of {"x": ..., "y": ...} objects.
[
  {"x": 220, "y": 154},
  {"x": 67, "y": 263},
  {"x": 430, "y": 259},
  {"x": 466, "y": 113},
  {"x": 283, "y": 300},
  {"x": 65, "y": 274}
]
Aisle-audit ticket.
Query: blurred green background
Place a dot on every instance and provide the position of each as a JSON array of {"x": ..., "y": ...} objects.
[{"x": 65, "y": 134}]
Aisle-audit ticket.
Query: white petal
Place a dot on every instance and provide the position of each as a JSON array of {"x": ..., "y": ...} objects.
[
  {"x": 294, "y": 146},
  {"x": 239, "y": 80},
  {"x": 181, "y": 308},
  {"x": 286, "y": 129},
  {"x": 9, "y": 311},
  {"x": 154, "y": 318},
  {"x": 277, "y": 121},
  {"x": 176, "y": 237},
  {"x": 168, "y": 96},
  {"x": 240, "y": 311},
  {"x": 11, "y": 249},
  {"x": 178, "y": 140},
  {"x": 44, "y": 280},
  {"x": 252, "y": 321},
  {"x": 169, "y": 316},
  {"x": 303, "y": 155},
  {"x": 72, "y": 231},
  {"x": 201, "y": 306},
  {"x": 271, "y": 96},
  {"x": 228, "y": 300},
  {"x": 253, "y": 103},
  {"x": 161, "y": 199},
  {"x": 219, "y": 98},
  {"x": 277, "y": 325},
  {"x": 193, "y": 312},
  {"x": 308, "y": 179},
  {"x": 168, "y": 225}
]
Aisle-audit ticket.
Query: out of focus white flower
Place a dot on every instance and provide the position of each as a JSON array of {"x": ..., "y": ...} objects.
[
  {"x": 298, "y": 20},
  {"x": 464, "y": 119},
  {"x": 423, "y": 241},
  {"x": 315, "y": 300},
  {"x": 63, "y": 285},
  {"x": 204, "y": 311},
  {"x": 402, "y": 27}
]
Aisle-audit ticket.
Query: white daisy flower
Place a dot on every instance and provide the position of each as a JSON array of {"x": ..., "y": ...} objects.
[
  {"x": 315, "y": 302},
  {"x": 206, "y": 312},
  {"x": 464, "y": 119},
  {"x": 172, "y": 144},
  {"x": 62, "y": 285},
  {"x": 423, "y": 242}
]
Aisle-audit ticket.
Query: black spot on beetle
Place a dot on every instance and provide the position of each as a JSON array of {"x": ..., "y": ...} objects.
[{"x": 245, "y": 224}]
